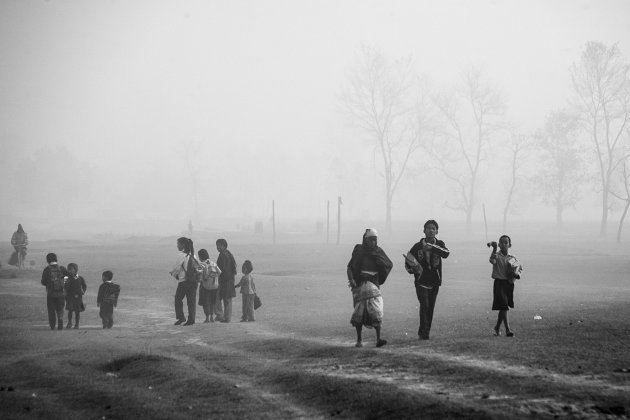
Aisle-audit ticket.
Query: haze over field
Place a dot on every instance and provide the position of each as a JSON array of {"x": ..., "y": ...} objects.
[{"x": 122, "y": 110}]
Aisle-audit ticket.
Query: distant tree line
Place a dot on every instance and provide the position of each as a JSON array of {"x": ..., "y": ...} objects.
[{"x": 456, "y": 127}]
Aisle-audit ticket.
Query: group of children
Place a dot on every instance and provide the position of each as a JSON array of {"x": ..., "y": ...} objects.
[
  {"x": 214, "y": 281},
  {"x": 65, "y": 288}
]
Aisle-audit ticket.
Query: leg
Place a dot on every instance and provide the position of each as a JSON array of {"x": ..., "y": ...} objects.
[
  {"x": 379, "y": 342},
  {"x": 359, "y": 329},
  {"x": 244, "y": 308},
  {"x": 76, "y": 319},
  {"x": 180, "y": 292},
  {"x": 227, "y": 309},
  {"x": 432, "y": 298},
  {"x": 423, "y": 299},
  {"x": 59, "y": 306},
  {"x": 191, "y": 300},
  {"x": 69, "y": 324},
  {"x": 506, "y": 322},
  {"x": 250, "y": 308},
  {"x": 218, "y": 305},
  {"x": 50, "y": 305}
]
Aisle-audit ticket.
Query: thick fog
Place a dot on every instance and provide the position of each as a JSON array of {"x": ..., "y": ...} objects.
[{"x": 146, "y": 114}]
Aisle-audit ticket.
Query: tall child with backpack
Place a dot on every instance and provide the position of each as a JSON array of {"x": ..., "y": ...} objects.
[
  {"x": 54, "y": 277},
  {"x": 187, "y": 271}
]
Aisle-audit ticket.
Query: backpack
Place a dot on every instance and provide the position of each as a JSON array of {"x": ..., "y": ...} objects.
[
  {"x": 210, "y": 276},
  {"x": 57, "y": 282},
  {"x": 194, "y": 271}
]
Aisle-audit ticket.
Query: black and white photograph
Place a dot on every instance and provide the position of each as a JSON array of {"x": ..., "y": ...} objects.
[{"x": 294, "y": 209}]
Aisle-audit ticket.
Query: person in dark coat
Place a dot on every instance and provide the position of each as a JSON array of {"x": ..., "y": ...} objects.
[
  {"x": 227, "y": 265},
  {"x": 54, "y": 277},
  {"x": 107, "y": 299},
  {"x": 75, "y": 289},
  {"x": 367, "y": 270},
  {"x": 424, "y": 261}
]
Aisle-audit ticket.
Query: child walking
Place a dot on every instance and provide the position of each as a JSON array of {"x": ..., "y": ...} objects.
[
  {"x": 248, "y": 291},
  {"x": 107, "y": 299},
  {"x": 75, "y": 289},
  {"x": 505, "y": 269}
]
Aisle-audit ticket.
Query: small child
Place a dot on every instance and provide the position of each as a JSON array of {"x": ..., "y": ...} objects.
[
  {"x": 248, "y": 291},
  {"x": 505, "y": 269},
  {"x": 75, "y": 289},
  {"x": 107, "y": 299}
]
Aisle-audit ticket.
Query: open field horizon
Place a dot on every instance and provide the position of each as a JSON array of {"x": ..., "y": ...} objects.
[{"x": 298, "y": 361}]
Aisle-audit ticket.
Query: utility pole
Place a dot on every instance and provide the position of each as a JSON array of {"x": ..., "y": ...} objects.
[
  {"x": 339, "y": 203},
  {"x": 327, "y": 221},
  {"x": 273, "y": 219}
]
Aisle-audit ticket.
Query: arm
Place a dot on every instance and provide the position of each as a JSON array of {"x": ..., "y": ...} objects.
[
  {"x": 99, "y": 296},
  {"x": 351, "y": 282},
  {"x": 45, "y": 277},
  {"x": 83, "y": 286},
  {"x": 493, "y": 254}
]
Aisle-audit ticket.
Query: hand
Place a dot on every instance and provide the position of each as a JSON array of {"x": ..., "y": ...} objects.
[{"x": 352, "y": 284}]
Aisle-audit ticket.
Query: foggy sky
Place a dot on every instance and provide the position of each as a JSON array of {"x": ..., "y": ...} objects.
[{"x": 122, "y": 85}]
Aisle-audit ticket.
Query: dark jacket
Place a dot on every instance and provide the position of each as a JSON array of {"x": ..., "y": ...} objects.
[
  {"x": 108, "y": 293},
  {"x": 227, "y": 265},
  {"x": 47, "y": 279},
  {"x": 432, "y": 267},
  {"x": 372, "y": 259}
]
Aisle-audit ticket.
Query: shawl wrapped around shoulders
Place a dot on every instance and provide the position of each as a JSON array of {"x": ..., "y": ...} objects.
[{"x": 383, "y": 263}]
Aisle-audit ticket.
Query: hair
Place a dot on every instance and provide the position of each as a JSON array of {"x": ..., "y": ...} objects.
[
  {"x": 51, "y": 257},
  {"x": 508, "y": 238},
  {"x": 248, "y": 267},
  {"x": 73, "y": 265},
  {"x": 108, "y": 275},
  {"x": 187, "y": 245},
  {"x": 222, "y": 242},
  {"x": 431, "y": 222},
  {"x": 203, "y": 254},
  {"x": 20, "y": 228}
]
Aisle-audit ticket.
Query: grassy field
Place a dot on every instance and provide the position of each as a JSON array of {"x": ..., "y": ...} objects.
[{"x": 298, "y": 361}]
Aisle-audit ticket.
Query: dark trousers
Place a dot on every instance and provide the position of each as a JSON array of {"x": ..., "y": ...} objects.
[
  {"x": 248, "y": 308},
  {"x": 426, "y": 298},
  {"x": 186, "y": 289},
  {"x": 227, "y": 309},
  {"x": 107, "y": 314},
  {"x": 55, "y": 311}
]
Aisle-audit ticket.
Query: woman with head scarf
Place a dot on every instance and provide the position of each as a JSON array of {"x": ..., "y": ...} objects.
[{"x": 367, "y": 270}]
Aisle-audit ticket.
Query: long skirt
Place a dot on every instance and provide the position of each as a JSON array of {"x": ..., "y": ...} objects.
[{"x": 368, "y": 306}]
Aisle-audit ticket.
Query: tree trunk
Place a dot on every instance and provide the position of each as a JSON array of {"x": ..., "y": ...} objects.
[
  {"x": 388, "y": 212},
  {"x": 559, "y": 210},
  {"x": 604, "y": 221},
  {"x": 622, "y": 219}
]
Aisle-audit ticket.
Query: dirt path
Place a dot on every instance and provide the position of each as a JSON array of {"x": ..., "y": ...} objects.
[{"x": 266, "y": 370}]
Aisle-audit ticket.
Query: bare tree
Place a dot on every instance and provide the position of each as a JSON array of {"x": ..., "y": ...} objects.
[
  {"x": 518, "y": 144},
  {"x": 561, "y": 170},
  {"x": 602, "y": 96},
  {"x": 470, "y": 113},
  {"x": 380, "y": 98},
  {"x": 625, "y": 177}
]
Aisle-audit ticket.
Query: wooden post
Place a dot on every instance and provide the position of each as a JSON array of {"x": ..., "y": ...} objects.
[
  {"x": 339, "y": 203},
  {"x": 273, "y": 219},
  {"x": 327, "y": 221}
]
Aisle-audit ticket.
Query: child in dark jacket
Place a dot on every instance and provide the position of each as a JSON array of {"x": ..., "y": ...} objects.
[
  {"x": 75, "y": 289},
  {"x": 107, "y": 299}
]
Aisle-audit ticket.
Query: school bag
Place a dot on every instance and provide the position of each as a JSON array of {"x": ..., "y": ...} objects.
[
  {"x": 210, "y": 275},
  {"x": 56, "y": 282},
  {"x": 194, "y": 271}
]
